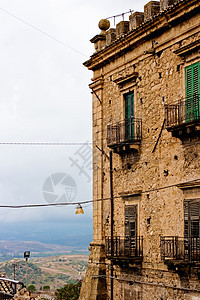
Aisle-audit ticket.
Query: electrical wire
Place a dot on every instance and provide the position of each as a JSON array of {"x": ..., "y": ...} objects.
[
  {"x": 90, "y": 143},
  {"x": 46, "y": 143},
  {"x": 85, "y": 144},
  {"x": 41, "y": 31},
  {"x": 147, "y": 283},
  {"x": 95, "y": 200},
  {"x": 122, "y": 14}
]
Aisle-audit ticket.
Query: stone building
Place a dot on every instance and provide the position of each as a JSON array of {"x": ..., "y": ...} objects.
[{"x": 146, "y": 133}]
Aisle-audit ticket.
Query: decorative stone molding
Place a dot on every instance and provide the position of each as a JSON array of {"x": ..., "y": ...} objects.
[
  {"x": 192, "y": 184},
  {"x": 97, "y": 84},
  {"x": 125, "y": 79},
  {"x": 182, "y": 51},
  {"x": 99, "y": 41}
]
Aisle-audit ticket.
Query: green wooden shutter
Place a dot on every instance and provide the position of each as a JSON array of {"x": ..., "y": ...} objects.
[
  {"x": 192, "y": 91},
  {"x": 129, "y": 105},
  {"x": 129, "y": 116}
]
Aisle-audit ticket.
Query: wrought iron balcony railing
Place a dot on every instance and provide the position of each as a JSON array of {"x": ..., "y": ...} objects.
[
  {"x": 183, "y": 111},
  {"x": 124, "y": 247},
  {"x": 124, "y": 132},
  {"x": 182, "y": 249}
]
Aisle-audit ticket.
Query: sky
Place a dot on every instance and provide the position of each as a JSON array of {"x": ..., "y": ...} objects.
[{"x": 44, "y": 98}]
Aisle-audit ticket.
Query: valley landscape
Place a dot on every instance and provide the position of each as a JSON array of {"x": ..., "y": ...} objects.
[
  {"x": 50, "y": 265},
  {"x": 52, "y": 271}
]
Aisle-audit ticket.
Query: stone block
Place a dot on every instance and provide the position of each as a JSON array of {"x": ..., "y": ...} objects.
[
  {"x": 151, "y": 9},
  {"x": 164, "y": 4},
  {"x": 135, "y": 20},
  {"x": 110, "y": 36},
  {"x": 122, "y": 28}
]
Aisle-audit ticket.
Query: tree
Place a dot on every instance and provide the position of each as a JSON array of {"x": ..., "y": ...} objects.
[
  {"x": 46, "y": 288},
  {"x": 69, "y": 291},
  {"x": 31, "y": 288}
]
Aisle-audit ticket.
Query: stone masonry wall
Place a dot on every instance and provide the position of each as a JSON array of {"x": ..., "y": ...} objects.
[{"x": 152, "y": 178}]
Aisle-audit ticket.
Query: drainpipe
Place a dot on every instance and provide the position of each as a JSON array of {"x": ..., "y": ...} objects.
[{"x": 111, "y": 224}]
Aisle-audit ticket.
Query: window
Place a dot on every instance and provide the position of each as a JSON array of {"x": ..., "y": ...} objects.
[
  {"x": 130, "y": 226},
  {"x": 192, "y": 219},
  {"x": 192, "y": 90},
  {"x": 129, "y": 116}
]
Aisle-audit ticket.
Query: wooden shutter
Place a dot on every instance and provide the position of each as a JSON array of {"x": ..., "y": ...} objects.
[
  {"x": 192, "y": 218},
  {"x": 186, "y": 220},
  {"x": 192, "y": 79},
  {"x": 129, "y": 114},
  {"x": 192, "y": 91},
  {"x": 196, "y": 78},
  {"x": 188, "y": 81},
  {"x": 129, "y": 105},
  {"x": 131, "y": 221}
]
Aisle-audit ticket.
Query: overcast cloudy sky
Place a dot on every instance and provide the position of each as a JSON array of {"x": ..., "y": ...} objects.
[{"x": 44, "y": 97}]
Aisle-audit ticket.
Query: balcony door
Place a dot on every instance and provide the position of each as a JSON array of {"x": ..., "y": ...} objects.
[
  {"x": 192, "y": 88},
  {"x": 130, "y": 228},
  {"x": 129, "y": 116},
  {"x": 192, "y": 230}
]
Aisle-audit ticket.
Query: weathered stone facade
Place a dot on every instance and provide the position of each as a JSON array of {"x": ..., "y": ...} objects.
[
  {"x": 146, "y": 245},
  {"x": 22, "y": 295}
]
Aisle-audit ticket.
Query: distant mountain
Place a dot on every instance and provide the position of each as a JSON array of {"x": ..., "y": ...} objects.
[
  {"x": 69, "y": 233},
  {"x": 16, "y": 249}
]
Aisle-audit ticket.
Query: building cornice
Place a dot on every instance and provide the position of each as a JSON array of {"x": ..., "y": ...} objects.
[{"x": 146, "y": 31}]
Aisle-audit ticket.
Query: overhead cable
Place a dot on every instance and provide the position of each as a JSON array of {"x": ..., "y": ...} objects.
[
  {"x": 41, "y": 31},
  {"x": 46, "y": 143},
  {"x": 96, "y": 200}
]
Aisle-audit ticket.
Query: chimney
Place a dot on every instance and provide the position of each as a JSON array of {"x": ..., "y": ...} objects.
[
  {"x": 164, "y": 4},
  {"x": 151, "y": 9},
  {"x": 110, "y": 36},
  {"x": 122, "y": 28},
  {"x": 135, "y": 20}
]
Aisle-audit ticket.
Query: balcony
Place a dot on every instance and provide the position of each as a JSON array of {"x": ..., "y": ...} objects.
[
  {"x": 124, "y": 248},
  {"x": 183, "y": 117},
  {"x": 123, "y": 134},
  {"x": 179, "y": 249}
]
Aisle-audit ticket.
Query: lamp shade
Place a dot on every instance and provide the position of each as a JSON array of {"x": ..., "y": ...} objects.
[
  {"x": 79, "y": 210},
  {"x": 27, "y": 254}
]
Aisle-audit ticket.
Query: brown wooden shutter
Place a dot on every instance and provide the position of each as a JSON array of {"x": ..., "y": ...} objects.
[
  {"x": 194, "y": 217},
  {"x": 131, "y": 221},
  {"x": 186, "y": 220},
  {"x": 191, "y": 218}
]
